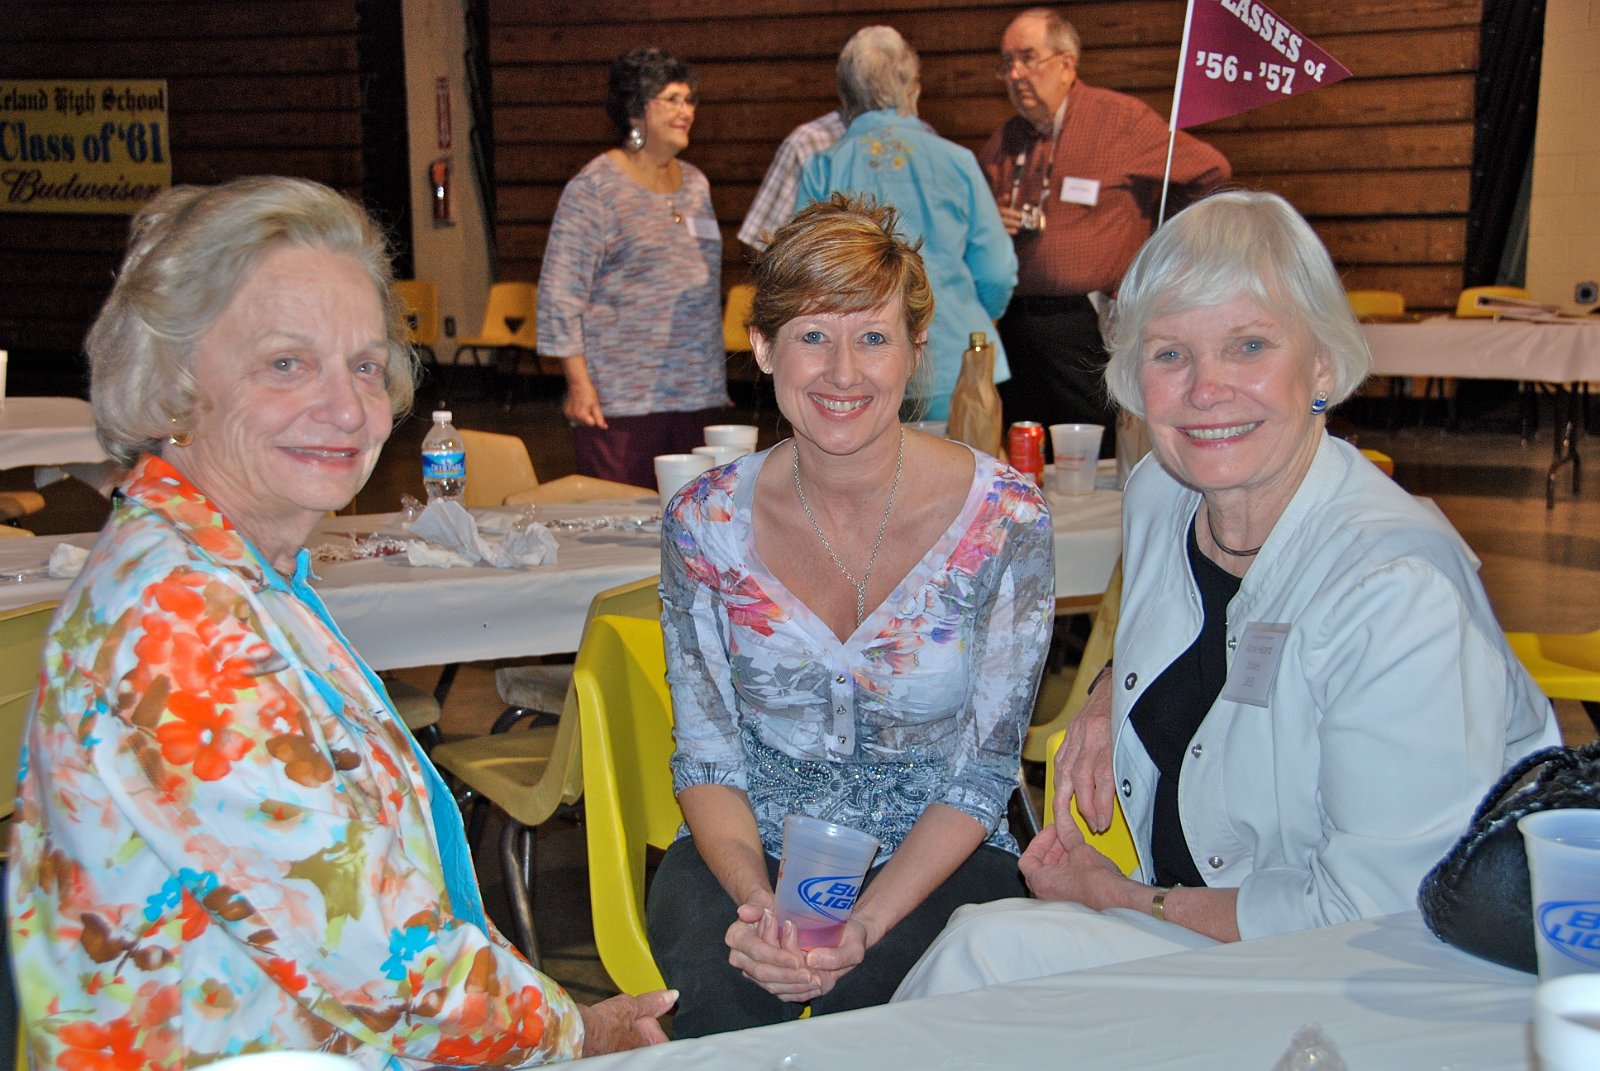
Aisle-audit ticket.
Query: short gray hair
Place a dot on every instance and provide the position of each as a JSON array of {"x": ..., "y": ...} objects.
[
  {"x": 877, "y": 69},
  {"x": 1059, "y": 34},
  {"x": 1235, "y": 243},
  {"x": 189, "y": 251}
]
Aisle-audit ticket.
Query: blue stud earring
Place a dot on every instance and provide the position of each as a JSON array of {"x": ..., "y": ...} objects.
[{"x": 1319, "y": 404}]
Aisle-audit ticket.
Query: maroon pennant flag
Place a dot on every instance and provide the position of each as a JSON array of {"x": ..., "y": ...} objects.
[{"x": 1239, "y": 55}]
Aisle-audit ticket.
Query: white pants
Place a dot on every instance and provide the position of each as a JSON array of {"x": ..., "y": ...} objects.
[{"x": 1009, "y": 940}]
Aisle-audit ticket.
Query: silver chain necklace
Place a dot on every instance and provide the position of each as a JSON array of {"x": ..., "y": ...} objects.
[{"x": 883, "y": 525}]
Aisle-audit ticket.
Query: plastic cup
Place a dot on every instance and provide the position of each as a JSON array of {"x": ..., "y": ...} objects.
[
  {"x": 1564, "y": 870},
  {"x": 720, "y": 455},
  {"x": 675, "y": 470},
  {"x": 3, "y": 358},
  {"x": 1077, "y": 450},
  {"x": 820, "y": 878},
  {"x": 1566, "y": 1023},
  {"x": 740, "y": 435}
]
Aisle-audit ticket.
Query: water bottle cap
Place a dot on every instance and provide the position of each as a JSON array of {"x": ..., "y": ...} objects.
[{"x": 442, "y": 416}]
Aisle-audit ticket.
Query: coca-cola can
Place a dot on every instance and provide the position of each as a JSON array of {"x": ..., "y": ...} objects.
[{"x": 1025, "y": 444}]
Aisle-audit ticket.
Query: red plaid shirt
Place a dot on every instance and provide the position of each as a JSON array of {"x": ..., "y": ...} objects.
[{"x": 1118, "y": 141}]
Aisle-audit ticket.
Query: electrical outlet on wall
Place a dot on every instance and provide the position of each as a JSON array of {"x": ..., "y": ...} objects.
[{"x": 449, "y": 327}]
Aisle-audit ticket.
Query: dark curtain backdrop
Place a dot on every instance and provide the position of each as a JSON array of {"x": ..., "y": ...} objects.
[{"x": 1507, "y": 109}]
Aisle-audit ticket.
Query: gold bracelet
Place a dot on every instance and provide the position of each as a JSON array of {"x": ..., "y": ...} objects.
[{"x": 1158, "y": 905}]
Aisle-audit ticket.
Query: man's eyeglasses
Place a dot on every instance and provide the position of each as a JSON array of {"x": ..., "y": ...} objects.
[
  {"x": 678, "y": 100},
  {"x": 1029, "y": 63}
]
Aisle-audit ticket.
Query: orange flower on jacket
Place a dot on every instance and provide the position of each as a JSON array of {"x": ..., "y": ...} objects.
[
  {"x": 199, "y": 734},
  {"x": 92, "y": 1047}
]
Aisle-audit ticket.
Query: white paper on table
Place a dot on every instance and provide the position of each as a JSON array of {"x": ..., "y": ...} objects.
[
  {"x": 448, "y": 526},
  {"x": 66, "y": 561}
]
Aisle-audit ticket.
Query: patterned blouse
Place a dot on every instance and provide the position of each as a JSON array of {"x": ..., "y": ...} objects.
[
  {"x": 226, "y": 841},
  {"x": 632, "y": 282},
  {"x": 926, "y": 702}
]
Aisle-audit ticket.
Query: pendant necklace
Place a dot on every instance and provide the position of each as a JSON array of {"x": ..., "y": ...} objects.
[
  {"x": 883, "y": 525},
  {"x": 1212, "y": 528}
]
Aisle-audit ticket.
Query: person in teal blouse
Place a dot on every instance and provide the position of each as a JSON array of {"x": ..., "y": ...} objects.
[{"x": 939, "y": 192}]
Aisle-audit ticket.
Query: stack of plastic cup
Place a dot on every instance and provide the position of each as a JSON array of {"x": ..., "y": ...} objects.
[
  {"x": 1077, "y": 451},
  {"x": 820, "y": 878},
  {"x": 1566, "y": 1023},
  {"x": 1564, "y": 870},
  {"x": 675, "y": 470},
  {"x": 742, "y": 436}
]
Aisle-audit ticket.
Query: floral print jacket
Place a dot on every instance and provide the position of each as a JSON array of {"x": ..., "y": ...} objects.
[
  {"x": 926, "y": 702},
  {"x": 225, "y": 841}
]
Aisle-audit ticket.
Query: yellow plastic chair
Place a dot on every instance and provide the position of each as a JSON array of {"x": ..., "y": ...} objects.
[
  {"x": 1383, "y": 461},
  {"x": 22, "y": 633},
  {"x": 421, "y": 299},
  {"x": 1116, "y": 843},
  {"x": 1565, "y": 665},
  {"x": 1096, "y": 653},
  {"x": 509, "y": 325},
  {"x": 529, "y": 772},
  {"x": 1377, "y": 304},
  {"x": 735, "y": 336},
  {"x": 577, "y": 489},
  {"x": 497, "y": 466},
  {"x": 620, "y": 680},
  {"x": 1467, "y": 305}
]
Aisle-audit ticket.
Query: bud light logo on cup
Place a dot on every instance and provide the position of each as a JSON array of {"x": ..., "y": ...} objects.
[
  {"x": 1573, "y": 928},
  {"x": 832, "y": 898}
]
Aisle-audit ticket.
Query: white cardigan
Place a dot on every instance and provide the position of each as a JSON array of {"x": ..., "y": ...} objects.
[{"x": 1396, "y": 704}]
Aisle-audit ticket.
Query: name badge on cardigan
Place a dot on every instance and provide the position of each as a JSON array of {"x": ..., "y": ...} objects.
[
  {"x": 1080, "y": 191},
  {"x": 1255, "y": 664},
  {"x": 703, "y": 228}
]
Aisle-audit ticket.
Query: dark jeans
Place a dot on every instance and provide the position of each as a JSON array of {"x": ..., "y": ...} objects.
[
  {"x": 625, "y": 451},
  {"x": 688, "y": 916},
  {"x": 1058, "y": 365}
]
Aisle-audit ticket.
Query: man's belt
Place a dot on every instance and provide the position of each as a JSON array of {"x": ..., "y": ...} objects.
[{"x": 1050, "y": 304}]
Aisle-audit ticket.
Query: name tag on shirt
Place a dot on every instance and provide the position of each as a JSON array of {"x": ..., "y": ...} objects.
[
  {"x": 1255, "y": 664},
  {"x": 703, "y": 228},
  {"x": 1080, "y": 191}
]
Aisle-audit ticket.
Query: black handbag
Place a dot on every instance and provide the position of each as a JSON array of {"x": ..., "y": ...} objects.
[{"x": 1477, "y": 898}]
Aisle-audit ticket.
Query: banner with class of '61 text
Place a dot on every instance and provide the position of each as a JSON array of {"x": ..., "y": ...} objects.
[{"x": 82, "y": 146}]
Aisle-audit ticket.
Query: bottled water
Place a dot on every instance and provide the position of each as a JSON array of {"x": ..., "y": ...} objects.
[{"x": 444, "y": 459}]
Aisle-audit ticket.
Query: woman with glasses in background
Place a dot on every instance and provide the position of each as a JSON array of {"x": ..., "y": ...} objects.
[{"x": 630, "y": 295}]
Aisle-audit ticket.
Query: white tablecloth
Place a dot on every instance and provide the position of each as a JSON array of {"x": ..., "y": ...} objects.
[
  {"x": 1386, "y": 993},
  {"x": 1566, "y": 352},
  {"x": 396, "y": 615},
  {"x": 47, "y": 431}
]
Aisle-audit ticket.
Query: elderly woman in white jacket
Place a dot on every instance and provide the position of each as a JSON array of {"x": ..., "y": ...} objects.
[{"x": 1311, "y": 692}]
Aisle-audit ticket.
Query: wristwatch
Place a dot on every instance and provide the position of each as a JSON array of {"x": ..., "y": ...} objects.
[{"x": 1105, "y": 671}]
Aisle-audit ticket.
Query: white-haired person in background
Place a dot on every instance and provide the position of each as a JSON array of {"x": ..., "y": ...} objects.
[
  {"x": 938, "y": 190},
  {"x": 1311, "y": 692}
]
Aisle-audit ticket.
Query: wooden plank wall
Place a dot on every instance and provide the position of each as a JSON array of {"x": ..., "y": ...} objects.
[
  {"x": 254, "y": 86},
  {"x": 1380, "y": 163}
]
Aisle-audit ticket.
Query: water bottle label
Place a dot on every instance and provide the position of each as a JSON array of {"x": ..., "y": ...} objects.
[
  {"x": 444, "y": 466},
  {"x": 830, "y": 897}
]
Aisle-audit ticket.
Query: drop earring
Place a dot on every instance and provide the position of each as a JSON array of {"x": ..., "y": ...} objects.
[
  {"x": 1319, "y": 404},
  {"x": 635, "y": 139},
  {"x": 179, "y": 438}
]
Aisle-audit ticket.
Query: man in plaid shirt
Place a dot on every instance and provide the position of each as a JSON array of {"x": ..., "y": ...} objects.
[{"x": 1077, "y": 174}]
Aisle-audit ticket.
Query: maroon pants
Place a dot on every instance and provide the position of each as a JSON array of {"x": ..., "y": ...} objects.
[{"x": 626, "y": 451}]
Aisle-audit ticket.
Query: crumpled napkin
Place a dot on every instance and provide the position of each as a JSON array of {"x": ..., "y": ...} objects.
[
  {"x": 450, "y": 537},
  {"x": 66, "y": 561}
]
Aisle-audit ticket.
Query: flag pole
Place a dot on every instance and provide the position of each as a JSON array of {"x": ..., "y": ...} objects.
[{"x": 1177, "y": 98}]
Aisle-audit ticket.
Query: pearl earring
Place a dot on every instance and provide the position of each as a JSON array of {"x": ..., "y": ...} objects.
[
  {"x": 635, "y": 139},
  {"x": 1319, "y": 404}
]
